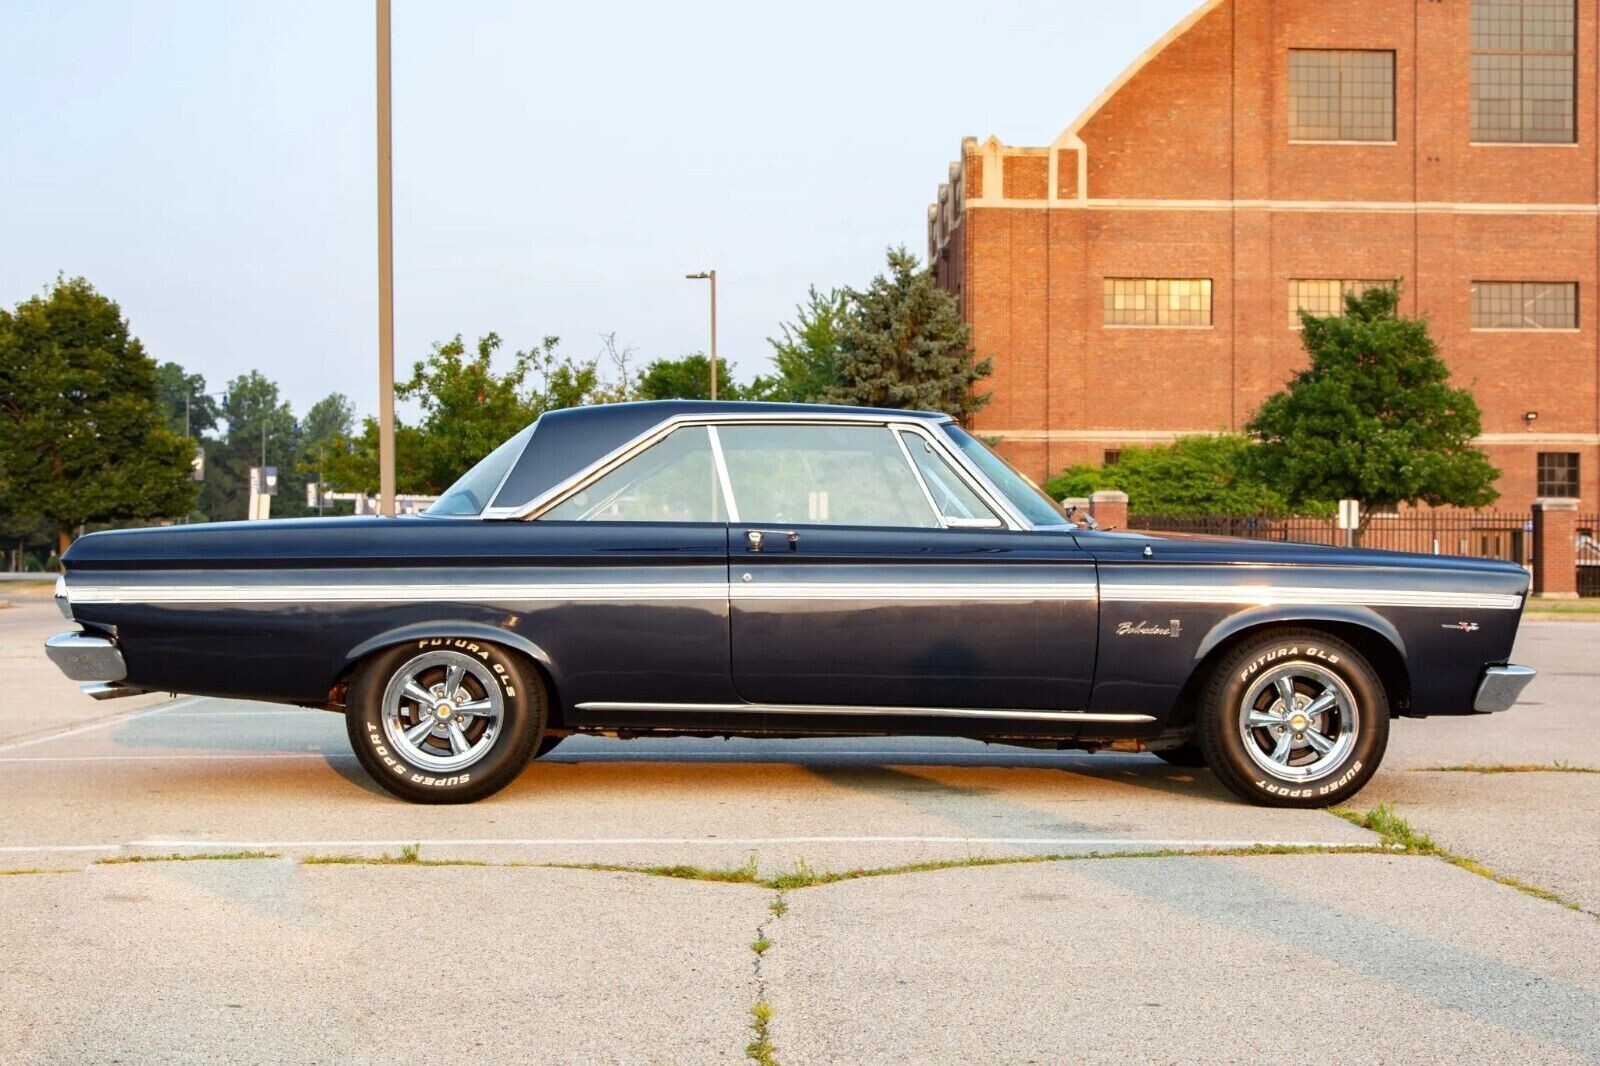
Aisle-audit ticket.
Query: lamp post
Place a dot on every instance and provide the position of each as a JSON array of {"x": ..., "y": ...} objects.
[
  {"x": 385, "y": 273},
  {"x": 711, "y": 275}
]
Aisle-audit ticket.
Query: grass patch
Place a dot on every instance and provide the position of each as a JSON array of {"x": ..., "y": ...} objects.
[
  {"x": 410, "y": 855},
  {"x": 1397, "y": 833},
  {"x": 37, "y": 870},
  {"x": 779, "y": 907},
  {"x": 1557, "y": 767},
  {"x": 747, "y": 874},
  {"x": 1568, "y": 607},
  {"x": 760, "y": 945},
  {"x": 194, "y": 856},
  {"x": 760, "y": 1050}
]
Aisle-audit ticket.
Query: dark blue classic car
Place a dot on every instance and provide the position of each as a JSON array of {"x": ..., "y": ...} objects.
[{"x": 773, "y": 570}]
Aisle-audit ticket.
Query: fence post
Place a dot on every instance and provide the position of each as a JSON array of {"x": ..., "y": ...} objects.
[
  {"x": 1555, "y": 550},
  {"x": 1110, "y": 509}
]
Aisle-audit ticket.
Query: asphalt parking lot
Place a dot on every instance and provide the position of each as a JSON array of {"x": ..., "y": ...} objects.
[{"x": 1084, "y": 908}]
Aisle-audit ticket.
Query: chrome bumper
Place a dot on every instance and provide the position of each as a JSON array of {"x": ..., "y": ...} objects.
[
  {"x": 86, "y": 657},
  {"x": 1500, "y": 687}
]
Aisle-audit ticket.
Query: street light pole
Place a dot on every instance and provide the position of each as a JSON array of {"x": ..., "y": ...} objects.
[
  {"x": 385, "y": 273},
  {"x": 711, "y": 275}
]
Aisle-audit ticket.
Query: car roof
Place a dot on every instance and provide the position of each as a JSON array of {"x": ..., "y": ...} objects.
[{"x": 570, "y": 440}]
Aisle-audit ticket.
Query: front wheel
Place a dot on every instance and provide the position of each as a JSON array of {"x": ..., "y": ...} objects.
[
  {"x": 444, "y": 720},
  {"x": 1294, "y": 718}
]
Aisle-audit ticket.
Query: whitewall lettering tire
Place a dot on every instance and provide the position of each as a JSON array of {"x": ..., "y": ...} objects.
[
  {"x": 1294, "y": 718},
  {"x": 444, "y": 719}
]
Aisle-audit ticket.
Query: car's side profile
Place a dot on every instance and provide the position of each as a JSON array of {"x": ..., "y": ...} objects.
[{"x": 784, "y": 570}]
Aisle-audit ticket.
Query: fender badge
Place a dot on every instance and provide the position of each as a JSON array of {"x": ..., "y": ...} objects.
[
  {"x": 1142, "y": 628},
  {"x": 1465, "y": 627}
]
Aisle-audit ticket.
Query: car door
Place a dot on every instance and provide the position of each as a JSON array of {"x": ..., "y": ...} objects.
[
  {"x": 866, "y": 573},
  {"x": 639, "y": 636}
]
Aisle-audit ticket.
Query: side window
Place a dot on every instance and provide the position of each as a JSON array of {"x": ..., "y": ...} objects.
[
  {"x": 673, "y": 481},
  {"x": 954, "y": 500},
  {"x": 822, "y": 475}
]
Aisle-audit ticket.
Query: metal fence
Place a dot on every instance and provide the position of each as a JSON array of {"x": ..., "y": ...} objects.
[{"x": 1480, "y": 535}]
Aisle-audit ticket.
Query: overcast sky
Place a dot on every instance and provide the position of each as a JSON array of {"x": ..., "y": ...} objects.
[{"x": 558, "y": 168}]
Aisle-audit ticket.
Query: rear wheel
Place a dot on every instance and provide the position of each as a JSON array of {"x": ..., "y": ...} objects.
[
  {"x": 444, "y": 720},
  {"x": 1294, "y": 718}
]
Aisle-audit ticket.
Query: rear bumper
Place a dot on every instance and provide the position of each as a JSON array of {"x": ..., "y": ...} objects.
[
  {"x": 86, "y": 657},
  {"x": 1500, "y": 687}
]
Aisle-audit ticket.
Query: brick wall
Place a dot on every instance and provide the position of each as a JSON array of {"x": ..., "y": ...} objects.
[{"x": 1191, "y": 173}]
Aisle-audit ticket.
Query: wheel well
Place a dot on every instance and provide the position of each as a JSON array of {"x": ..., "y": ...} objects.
[
  {"x": 1373, "y": 646},
  {"x": 555, "y": 716}
]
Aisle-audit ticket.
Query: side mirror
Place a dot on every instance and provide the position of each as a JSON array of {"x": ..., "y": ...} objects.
[{"x": 1078, "y": 514}]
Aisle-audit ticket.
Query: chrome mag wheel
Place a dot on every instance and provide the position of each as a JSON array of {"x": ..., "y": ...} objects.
[
  {"x": 443, "y": 710},
  {"x": 1299, "y": 722}
]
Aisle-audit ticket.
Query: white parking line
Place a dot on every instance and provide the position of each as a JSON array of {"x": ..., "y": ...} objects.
[
  {"x": 577, "y": 758},
  {"x": 102, "y": 723},
  {"x": 1099, "y": 843}
]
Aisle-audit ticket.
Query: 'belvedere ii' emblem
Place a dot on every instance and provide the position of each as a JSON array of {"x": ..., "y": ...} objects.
[
  {"x": 1465, "y": 627},
  {"x": 1149, "y": 629}
]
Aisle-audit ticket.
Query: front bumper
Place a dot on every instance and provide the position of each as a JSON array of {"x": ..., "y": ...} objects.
[
  {"x": 86, "y": 657},
  {"x": 1500, "y": 687}
]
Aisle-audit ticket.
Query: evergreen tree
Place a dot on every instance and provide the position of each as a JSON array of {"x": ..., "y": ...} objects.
[
  {"x": 82, "y": 435},
  {"x": 903, "y": 345},
  {"x": 1374, "y": 417}
]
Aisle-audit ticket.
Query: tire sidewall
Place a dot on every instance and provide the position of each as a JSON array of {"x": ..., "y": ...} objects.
[
  {"x": 521, "y": 726},
  {"x": 1224, "y": 746}
]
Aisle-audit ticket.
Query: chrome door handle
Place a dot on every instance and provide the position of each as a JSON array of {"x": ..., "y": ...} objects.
[{"x": 757, "y": 540}]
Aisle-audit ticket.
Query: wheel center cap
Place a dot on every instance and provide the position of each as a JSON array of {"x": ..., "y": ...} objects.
[
  {"x": 1299, "y": 722},
  {"x": 444, "y": 711}
]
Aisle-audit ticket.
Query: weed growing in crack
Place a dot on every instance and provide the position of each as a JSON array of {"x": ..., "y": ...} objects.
[{"x": 1397, "y": 833}]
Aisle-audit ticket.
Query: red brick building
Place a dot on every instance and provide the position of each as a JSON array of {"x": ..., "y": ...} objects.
[{"x": 1136, "y": 279}]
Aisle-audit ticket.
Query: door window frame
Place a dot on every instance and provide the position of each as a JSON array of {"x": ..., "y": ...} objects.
[{"x": 924, "y": 428}]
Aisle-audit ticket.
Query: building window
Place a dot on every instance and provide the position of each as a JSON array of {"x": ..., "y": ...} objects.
[
  {"x": 1558, "y": 474},
  {"x": 1324, "y": 297},
  {"x": 1341, "y": 95},
  {"x": 1113, "y": 456},
  {"x": 1523, "y": 66},
  {"x": 1524, "y": 305},
  {"x": 1158, "y": 301}
]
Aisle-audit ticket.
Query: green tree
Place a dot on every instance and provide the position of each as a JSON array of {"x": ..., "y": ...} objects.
[
  {"x": 259, "y": 422},
  {"x": 82, "y": 434},
  {"x": 807, "y": 354},
  {"x": 178, "y": 387},
  {"x": 1192, "y": 477},
  {"x": 468, "y": 409},
  {"x": 688, "y": 378},
  {"x": 903, "y": 345},
  {"x": 1373, "y": 418}
]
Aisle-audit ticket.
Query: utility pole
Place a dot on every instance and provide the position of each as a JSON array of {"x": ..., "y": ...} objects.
[
  {"x": 711, "y": 275},
  {"x": 385, "y": 273}
]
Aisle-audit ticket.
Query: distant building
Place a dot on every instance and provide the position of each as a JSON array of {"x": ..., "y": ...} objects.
[{"x": 1137, "y": 278}]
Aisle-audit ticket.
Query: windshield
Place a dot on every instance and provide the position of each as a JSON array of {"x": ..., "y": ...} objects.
[
  {"x": 1023, "y": 494},
  {"x": 470, "y": 494}
]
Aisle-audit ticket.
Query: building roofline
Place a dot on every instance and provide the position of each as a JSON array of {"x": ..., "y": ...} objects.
[{"x": 1069, "y": 136}]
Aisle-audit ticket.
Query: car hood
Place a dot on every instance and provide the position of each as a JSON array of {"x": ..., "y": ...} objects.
[{"x": 1197, "y": 547}]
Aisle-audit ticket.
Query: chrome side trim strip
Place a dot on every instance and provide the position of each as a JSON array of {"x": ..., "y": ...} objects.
[
  {"x": 852, "y": 709},
  {"x": 841, "y": 590},
  {"x": 1303, "y": 596},
  {"x": 394, "y": 593}
]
